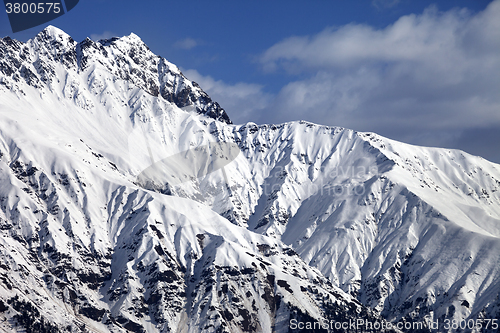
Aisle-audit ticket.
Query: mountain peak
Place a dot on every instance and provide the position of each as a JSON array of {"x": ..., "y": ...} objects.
[
  {"x": 127, "y": 58},
  {"x": 131, "y": 40},
  {"x": 133, "y": 36},
  {"x": 52, "y": 40},
  {"x": 54, "y": 33}
]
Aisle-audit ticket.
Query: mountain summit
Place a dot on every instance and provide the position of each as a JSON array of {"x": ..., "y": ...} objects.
[
  {"x": 130, "y": 203},
  {"x": 126, "y": 58}
]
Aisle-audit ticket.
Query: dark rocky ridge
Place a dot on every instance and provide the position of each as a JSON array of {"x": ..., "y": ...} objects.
[
  {"x": 127, "y": 58},
  {"x": 80, "y": 239},
  {"x": 63, "y": 268}
]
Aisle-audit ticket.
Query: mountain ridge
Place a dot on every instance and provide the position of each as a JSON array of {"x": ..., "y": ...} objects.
[
  {"x": 335, "y": 224},
  {"x": 162, "y": 79}
]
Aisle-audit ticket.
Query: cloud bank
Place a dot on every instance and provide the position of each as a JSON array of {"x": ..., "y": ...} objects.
[
  {"x": 186, "y": 44},
  {"x": 105, "y": 35},
  {"x": 429, "y": 79},
  {"x": 246, "y": 101}
]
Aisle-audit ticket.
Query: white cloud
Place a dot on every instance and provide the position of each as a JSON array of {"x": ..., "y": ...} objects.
[
  {"x": 243, "y": 101},
  {"x": 425, "y": 79},
  {"x": 186, "y": 44},
  {"x": 430, "y": 79},
  {"x": 432, "y": 40},
  {"x": 104, "y": 35}
]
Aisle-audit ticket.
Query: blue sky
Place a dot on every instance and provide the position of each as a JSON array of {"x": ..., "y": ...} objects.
[{"x": 423, "y": 72}]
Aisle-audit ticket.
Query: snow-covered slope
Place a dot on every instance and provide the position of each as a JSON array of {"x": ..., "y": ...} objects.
[
  {"x": 412, "y": 232},
  {"x": 128, "y": 201},
  {"x": 77, "y": 71}
]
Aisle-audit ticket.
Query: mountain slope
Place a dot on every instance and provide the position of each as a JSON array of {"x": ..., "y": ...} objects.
[
  {"x": 76, "y": 71},
  {"x": 411, "y": 231},
  {"x": 238, "y": 227},
  {"x": 84, "y": 248}
]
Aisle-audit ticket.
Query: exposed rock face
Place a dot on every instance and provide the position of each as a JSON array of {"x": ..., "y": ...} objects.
[
  {"x": 126, "y": 58},
  {"x": 306, "y": 223}
]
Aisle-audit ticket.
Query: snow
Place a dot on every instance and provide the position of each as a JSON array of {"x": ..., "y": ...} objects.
[{"x": 101, "y": 177}]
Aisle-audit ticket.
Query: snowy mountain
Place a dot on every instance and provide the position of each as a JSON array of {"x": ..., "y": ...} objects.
[{"x": 130, "y": 202}]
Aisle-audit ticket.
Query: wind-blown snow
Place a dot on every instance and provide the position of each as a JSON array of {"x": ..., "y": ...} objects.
[{"x": 306, "y": 221}]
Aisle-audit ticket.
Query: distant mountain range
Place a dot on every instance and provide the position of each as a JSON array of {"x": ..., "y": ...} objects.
[{"x": 129, "y": 202}]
